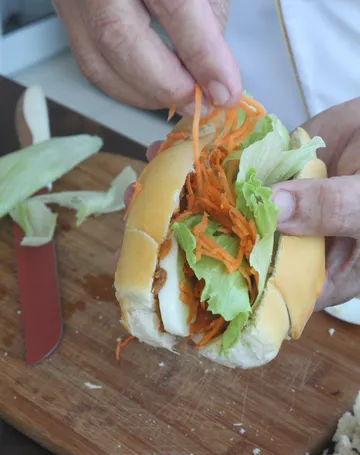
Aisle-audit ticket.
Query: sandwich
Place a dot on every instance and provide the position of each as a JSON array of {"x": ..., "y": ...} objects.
[{"x": 202, "y": 262}]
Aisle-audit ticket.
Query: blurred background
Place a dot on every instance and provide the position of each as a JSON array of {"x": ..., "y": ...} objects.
[{"x": 34, "y": 50}]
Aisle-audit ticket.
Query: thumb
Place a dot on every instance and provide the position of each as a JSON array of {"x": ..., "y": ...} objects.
[{"x": 325, "y": 207}]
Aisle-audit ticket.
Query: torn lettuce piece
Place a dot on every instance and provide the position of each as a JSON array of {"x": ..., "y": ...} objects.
[
  {"x": 24, "y": 172},
  {"x": 88, "y": 203},
  {"x": 260, "y": 260},
  {"x": 36, "y": 220},
  {"x": 273, "y": 158},
  {"x": 233, "y": 332},
  {"x": 227, "y": 295},
  {"x": 262, "y": 128},
  {"x": 254, "y": 201}
]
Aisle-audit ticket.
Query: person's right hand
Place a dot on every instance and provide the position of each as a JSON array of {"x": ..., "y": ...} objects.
[{"x": 118, "y": 51}]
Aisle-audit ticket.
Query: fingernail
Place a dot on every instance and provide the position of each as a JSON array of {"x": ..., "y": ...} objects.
[
  {"x": 219, "y": 93},
  {"x": 189, "y": 110},
  {"x": 286, "y": 204}
]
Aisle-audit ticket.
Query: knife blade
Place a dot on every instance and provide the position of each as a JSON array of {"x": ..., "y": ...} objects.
[{"x": 36, "y": 266}]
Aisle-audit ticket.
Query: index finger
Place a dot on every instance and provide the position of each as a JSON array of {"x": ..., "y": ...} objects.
[{"x": 197, "y": 37}]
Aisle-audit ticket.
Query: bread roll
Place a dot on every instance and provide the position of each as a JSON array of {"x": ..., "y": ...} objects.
[{"x": 290, "y": 293}]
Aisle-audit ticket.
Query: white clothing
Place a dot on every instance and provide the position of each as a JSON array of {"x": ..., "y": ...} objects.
[{"x": 323, "y": 37}]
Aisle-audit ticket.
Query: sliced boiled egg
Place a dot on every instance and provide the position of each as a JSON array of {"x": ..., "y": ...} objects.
[{"x": 174, "y": 312}]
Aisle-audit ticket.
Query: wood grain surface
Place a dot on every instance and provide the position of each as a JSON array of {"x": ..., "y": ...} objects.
[{"x": 153, "y": 402}]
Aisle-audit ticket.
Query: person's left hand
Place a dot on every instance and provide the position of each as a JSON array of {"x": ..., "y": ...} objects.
[{"x": 326, "y": 207}]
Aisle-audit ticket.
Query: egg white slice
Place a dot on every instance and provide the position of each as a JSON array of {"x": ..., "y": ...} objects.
[{"x": 174, "y": 312}]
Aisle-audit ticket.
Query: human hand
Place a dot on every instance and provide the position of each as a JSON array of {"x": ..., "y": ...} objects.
[
  {"x": 330, "y": 207},
  {"x": 118, "y": 51}
]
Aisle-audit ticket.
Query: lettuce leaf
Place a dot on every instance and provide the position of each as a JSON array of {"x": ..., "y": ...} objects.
[
  {"x": 273, "y": 157},
  {"x": 253, "y": 199},
  {"x": 227, "y": 295},
  {"x": 88, "y": 203},
  {"x": 233, "y": 332},
  {"x": 36, "y": 220},
  {"x": 24, "y": 172},
  {"x": 262, "y": 128},
  {"x": 39, "y": 223}
]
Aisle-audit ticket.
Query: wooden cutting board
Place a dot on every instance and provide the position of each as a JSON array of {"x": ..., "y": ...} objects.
[{"x": 153, "y": 402}]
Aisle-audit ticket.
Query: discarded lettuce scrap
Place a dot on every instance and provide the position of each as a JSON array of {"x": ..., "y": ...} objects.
[{"x": 25, "y": 172}]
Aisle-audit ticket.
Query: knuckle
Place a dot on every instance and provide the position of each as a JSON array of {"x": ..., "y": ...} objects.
[
  {"x": 108, "y": 31},
  {"x": 194, "y": 55},
  {"x": 331, "y": 204},
  {"x": 166, "y": 9},
  {"x": 90, "y": 68},
  {"x": 221, "y": 11}
]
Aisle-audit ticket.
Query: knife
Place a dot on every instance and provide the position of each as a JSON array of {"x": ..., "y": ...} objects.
[{"x": 36, "y": 266}]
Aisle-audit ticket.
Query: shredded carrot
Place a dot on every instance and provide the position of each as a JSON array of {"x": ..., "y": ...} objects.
[
  {"x": 122, "y": 344},
  {"x": 198, "y": 289},
  {"x": 209, "y": 192},
  {"x": 215, "y": 328},
  {"x": 165, "y": 145},
  {"x": 199, "y": 230},
  {"x": 172, "y": 111},
  {"x": 190, "y": 196},
  {"x": 187, "y": 296},
  {"x": 186, "y": 341},
  {"x": 177, "y": 136},
  {"x": 183, "y": 216},
  {"x": 224, "y": 230},
  {"x": 165, "y": 248},
  {"x": 188, "y": 271},
  {"x": 202, "y": 321},
  {"x": 137, "y": 190}
]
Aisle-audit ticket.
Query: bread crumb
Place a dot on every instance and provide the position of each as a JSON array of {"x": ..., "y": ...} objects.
[
  {"x": 5, "y": 354},
  {"x": 92, "y": 386},
  {"x": 331, "y": 332},
  {"x": 256, "y": 451},
  {"x": 242, "y": 431},
  {"x": 18, "y": 311},
  {"x": 347, "y": 435}
]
